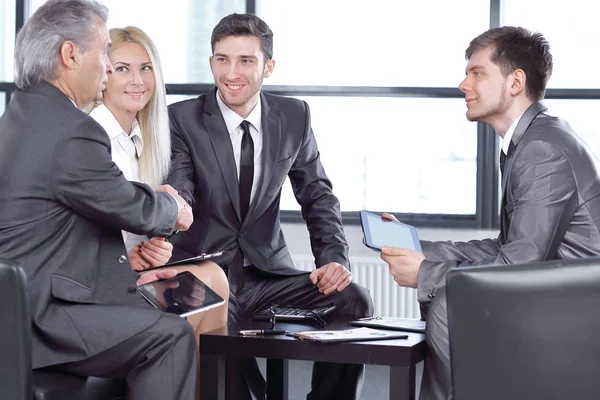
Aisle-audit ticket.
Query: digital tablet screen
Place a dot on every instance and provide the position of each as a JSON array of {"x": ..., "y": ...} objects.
[
  {"x": 183, "y": 295},
  {"x": 380, "y": 232}
]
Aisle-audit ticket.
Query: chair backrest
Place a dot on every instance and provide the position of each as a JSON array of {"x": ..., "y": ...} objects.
[
  {"x": 15, "y": 334},
  {"x": 526, "y": 331}
]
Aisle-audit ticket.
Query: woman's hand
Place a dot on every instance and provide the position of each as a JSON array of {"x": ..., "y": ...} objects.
[{"x": 150, "y": 253}]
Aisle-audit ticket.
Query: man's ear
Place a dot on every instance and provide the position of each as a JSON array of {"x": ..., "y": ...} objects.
[
  {"x": 519, "y": 81},
  {"x": 69, "y": 54},
  {"x": 269, "y": 67}
]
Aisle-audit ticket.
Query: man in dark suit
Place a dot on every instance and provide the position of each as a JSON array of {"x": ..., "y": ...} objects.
[
  {"x": 64, "y": 204},
  {"x": 550, "y": 184},
  {"x": 232, "y": 150}
]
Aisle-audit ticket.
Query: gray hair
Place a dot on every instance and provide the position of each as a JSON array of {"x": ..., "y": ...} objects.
[{"x": 39, "y": 41}]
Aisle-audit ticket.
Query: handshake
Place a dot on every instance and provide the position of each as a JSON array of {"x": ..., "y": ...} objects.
[{"x": 184, "y": 216}]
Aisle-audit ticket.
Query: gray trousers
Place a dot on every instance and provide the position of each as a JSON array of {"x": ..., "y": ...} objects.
[
  {"x": 437, "y": 376},
  {"x": 157, "y": 363}
]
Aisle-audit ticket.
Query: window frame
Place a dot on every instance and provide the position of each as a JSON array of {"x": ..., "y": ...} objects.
[{"x": 487, "y": 187}]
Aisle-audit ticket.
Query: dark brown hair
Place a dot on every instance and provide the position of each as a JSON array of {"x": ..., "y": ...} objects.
[{"x": 518, "y": 48}]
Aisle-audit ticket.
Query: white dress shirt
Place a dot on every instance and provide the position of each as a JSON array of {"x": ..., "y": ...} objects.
[
  {"x": 125, "y": 151},
  {"x": 509, "y": 134},
  {"x": 233, "y": 121}
]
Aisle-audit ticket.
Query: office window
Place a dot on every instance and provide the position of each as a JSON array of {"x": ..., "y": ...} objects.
[
  {"x": 582, "y": 116},
  {"x": 374, "y": 43},
  {"x": 7, "y": 40},
  {"x": 180, "y": 29},
  {"x": 572, "y": 29},
  {"x": 381, "y": 156}
]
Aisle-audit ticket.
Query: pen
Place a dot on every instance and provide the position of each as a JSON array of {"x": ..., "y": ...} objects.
[{"x": 259, "y": 332}]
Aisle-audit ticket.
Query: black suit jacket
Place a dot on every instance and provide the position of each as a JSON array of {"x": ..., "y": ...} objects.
[
  {"x": 63, "y": 204},
  {"x": 204, "y": 173},
  {"x": 550, "y": 207}
]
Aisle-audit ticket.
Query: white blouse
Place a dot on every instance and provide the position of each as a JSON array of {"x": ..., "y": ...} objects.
[{"x": 125, "y": 151}]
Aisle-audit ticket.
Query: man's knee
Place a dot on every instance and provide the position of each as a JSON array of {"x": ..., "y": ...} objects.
[
  {"x": 356, "y": 301},
  {"x": 180, "y": 330}
]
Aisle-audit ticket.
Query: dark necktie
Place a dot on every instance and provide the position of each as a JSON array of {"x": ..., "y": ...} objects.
[
  {"x": 246, "y": 169},
  {"x": 502, "y": 160},
  {"x": 503, "y": 156},
  {"x": 236, "y": 270}
]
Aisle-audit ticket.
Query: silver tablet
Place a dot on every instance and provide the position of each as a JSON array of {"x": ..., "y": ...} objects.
[{"x": 380, "y": 232}]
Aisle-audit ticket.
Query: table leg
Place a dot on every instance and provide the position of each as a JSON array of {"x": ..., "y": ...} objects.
[
  {"x": 212, "y": 377},
  {"x": 402, "y": 382},
  {"x": 277, "y": 379}
]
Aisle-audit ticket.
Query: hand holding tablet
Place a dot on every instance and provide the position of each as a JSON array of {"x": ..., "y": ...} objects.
[{"x": 379, "y": 231}]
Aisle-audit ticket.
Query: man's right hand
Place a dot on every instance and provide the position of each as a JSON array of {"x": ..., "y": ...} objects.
[{"x": 184, "y": 216}]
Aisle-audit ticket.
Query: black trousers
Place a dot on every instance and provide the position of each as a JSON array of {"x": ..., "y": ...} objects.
[
  {"x": 261, "y": 290},
  {"x": 157, "y": 363}
]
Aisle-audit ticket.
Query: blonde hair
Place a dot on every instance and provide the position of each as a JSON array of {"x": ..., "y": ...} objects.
[{"x": 153, "y": 119}]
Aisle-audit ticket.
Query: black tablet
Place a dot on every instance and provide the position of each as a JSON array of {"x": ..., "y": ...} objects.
[
  {"x": 379, "y": 232},
  {"x": 183, "y": 295}
]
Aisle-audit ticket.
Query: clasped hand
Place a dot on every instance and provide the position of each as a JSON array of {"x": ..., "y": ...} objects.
[{"x": 331, "y": 277}]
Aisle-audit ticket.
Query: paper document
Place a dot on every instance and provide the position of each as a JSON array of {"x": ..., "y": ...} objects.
[{"x": 350, "y": 335}]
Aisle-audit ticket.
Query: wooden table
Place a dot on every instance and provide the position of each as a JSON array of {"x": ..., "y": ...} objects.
[{"x": 222, "y": 347}]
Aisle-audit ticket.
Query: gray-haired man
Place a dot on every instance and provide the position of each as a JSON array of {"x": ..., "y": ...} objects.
[{"x": 64, "y": 203}]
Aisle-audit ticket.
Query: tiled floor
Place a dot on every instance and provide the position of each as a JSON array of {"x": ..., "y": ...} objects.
[{"x": 375, "y": 386}]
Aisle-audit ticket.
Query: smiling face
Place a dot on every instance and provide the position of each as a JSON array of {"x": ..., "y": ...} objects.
[
  {"x": 485, "y": 88},
  {"x": 239, "y": 67},
  {"x": 131, "y": 85}
]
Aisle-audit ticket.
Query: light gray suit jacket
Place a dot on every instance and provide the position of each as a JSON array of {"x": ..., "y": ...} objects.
[
  {"x": 550, "y": 206},
  {"x": 63, "y": 203}
]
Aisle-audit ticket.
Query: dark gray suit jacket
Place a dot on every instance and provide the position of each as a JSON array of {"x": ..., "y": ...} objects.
[
  {"x": 550, "y": 206},
  {"x": 63, "y": 204},
  {"x": 204, "y": 173}
]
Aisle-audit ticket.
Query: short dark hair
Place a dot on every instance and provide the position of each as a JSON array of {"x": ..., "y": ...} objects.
[
  {"x": 244, "y": 25},
  {"x": 518, "y": 48}
]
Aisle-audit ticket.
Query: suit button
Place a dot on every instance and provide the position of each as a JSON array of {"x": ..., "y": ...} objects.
[
  {"x": 431, "y": 295},
  {"x": 122, "y": 258},
  {"x": 132, "y": 289},
  {"x": 241, "y": 234}
]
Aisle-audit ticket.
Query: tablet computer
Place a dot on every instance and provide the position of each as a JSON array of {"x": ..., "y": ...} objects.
[
  {"x": 379, "y": 232},
  {"x": 183, "y": 295}
]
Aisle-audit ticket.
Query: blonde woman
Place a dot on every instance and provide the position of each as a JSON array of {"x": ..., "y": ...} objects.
[{"x": 134, "y": 114}]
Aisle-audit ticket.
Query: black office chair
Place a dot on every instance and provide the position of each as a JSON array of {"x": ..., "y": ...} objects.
[
  {"x": 526, "y": 332},
  {"x": 17, "y": 380}
]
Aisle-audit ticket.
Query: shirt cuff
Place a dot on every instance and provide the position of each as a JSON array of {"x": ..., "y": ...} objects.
[{"x": 179, "y": 205}]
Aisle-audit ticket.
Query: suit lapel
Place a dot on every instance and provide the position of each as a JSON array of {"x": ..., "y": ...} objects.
[
  {"x": 530, "y": 114},
  {"x": 271, "y": 132},
  {"x": 221, "y": 142}
]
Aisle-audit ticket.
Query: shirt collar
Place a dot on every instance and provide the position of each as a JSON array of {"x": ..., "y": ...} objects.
[
  {"x": 233, "y": 120},
  {"x": 110, "y": 124},
  {"x": 509, "y": 134}
]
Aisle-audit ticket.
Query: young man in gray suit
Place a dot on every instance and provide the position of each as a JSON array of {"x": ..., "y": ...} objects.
[
  {"x": 233, "y": 147},
  {"x": 550, "y": 185},
  {"x": 63, "y": 205}
]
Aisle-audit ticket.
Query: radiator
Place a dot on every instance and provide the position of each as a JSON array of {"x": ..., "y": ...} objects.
[{"x": 389, "y": 299}]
